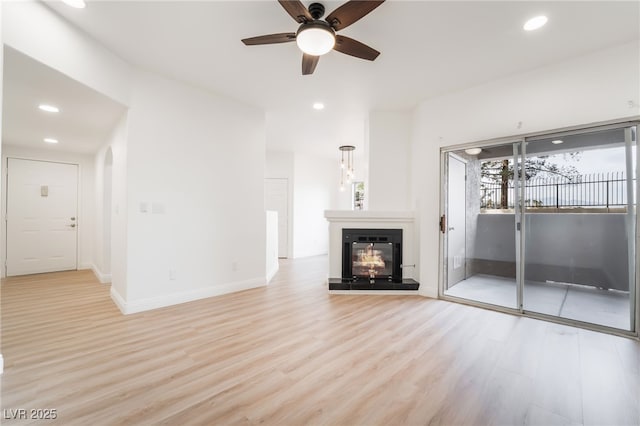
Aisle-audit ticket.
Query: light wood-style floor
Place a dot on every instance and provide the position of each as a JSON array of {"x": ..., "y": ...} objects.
[{"x": 291, "y": 354}]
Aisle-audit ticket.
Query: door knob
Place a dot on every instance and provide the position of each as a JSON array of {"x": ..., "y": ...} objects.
[
  {"x": 451, "y": 229},
  {"x": 73, "y": 218},
  {"x": 73, "y": 225}
]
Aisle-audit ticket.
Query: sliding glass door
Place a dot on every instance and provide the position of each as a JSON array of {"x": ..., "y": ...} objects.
[
  {"x": 545, "y": 226},
  {"x": 479, "y": 225},
  {"x": 579, "y": 221}
]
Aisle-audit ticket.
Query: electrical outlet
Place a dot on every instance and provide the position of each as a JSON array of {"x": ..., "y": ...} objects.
[
  {"x": 172, "y": 274},
  {"x": 234, "y": 266}
]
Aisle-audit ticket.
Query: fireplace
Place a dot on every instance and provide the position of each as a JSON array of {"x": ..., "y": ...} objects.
[
  {"x": 372, "y": 260},
  {"x": 372, "y": 254}
]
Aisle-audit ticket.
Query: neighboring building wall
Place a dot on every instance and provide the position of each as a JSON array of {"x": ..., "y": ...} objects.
[
  {"x": 587, "y": 89},
  {"x": 473, "y": 209}
]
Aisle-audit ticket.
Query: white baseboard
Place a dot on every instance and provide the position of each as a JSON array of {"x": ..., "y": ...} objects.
[
  {"x": 272, "y": 270},
  {"x": 118, "y": 300},
  {"x": 141, "y": 305},
  {"x": 103, "y": 278},
  {"x": 428, "y": 291},
  {"x": 1, "y": 364},
  {"x": 309, "y": 254}
]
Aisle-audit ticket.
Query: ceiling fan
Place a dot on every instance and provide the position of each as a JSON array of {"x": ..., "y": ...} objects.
[{"x": 316, "y": 36}]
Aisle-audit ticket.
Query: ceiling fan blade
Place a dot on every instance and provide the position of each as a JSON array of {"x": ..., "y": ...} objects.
[
  {"x": 309, "y": 63},
  {"x": 270, "y": 39},
  {"x": 350, "y": 12},
  {"x": 353, "y": 47},
  {"x": 296, "y": 9}
]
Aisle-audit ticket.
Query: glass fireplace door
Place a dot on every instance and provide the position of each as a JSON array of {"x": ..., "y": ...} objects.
[{"x": 372, "y": 260}]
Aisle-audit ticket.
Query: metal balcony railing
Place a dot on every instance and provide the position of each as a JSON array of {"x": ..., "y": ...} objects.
[{"x": 597, "y": 190}]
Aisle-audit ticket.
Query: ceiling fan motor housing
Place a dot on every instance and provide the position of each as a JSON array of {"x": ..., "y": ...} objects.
[{"x": 316, "y": 10}]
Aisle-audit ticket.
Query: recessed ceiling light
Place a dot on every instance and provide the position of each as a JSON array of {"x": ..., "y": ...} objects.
[
  {"x": 473, "y": 151},
  {"x": 50, "y": 140},
  {"x": 78, "y": 4},
  {"x": 318, "y": 106},
  {"x": 535, "y": 23},
  {"x": 557, "y": 141},
  {"x": 49, "y": 108}
]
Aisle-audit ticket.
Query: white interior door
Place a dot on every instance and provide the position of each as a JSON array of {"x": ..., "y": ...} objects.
[
  {"x": 276, "y": 195},
  {"x": 456, "y": 221},
  {"x": 42, "y": 217}
]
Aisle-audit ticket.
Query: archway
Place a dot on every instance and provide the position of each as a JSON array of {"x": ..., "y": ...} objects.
[{"x": 106, "y": 211}]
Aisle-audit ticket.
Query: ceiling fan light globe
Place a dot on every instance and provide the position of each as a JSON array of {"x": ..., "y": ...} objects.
[{"x": 315, "y": 40}]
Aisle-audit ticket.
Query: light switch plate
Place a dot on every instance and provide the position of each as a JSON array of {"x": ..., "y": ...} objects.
[{"x": 157, "y": 208}]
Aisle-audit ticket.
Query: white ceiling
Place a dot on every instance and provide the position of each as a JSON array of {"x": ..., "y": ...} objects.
[
  {"x": 83, "y": 123},
  {"x": 428, "y": 48}
]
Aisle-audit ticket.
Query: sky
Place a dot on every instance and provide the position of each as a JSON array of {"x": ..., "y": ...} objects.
[{"x": 599, "y": 160}]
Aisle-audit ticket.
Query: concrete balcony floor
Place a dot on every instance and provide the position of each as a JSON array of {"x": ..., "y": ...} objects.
[{"x": 582, "y": 303}]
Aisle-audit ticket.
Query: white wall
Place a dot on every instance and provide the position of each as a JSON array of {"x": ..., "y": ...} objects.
[
  {"x": 316, "y": 183},
  {"x": 86, "y": 196},
  {"x": 195, "y": 158},
  {"x": 272, "y": 244},
  {"x": 591, "y": 88},
  {"x": 313, "y": 188},
  {"x": 33, "y": 29},
  {"x": 389, "y": 165},
  {"x": 1, "y": 180},
  {"x": 279, "y": 165},
  {"x": 195, "y": 162}
]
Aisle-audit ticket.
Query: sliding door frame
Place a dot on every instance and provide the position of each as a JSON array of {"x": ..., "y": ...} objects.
[{"x": 519, "y": 188}]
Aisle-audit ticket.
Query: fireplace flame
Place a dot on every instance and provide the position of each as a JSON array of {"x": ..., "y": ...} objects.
[{"x": 370, "y": 261}]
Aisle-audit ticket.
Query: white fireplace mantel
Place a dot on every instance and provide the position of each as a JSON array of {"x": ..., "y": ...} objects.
[
  {"x": 368, "y": 216},
  {"x": 340, "y": 219}
]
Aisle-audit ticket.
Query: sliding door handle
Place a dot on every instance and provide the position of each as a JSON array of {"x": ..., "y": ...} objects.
[{"x": 443, "y": 224}]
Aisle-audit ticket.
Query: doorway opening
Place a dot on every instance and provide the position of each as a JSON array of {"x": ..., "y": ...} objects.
[
  {"x": 106, "y": 213},
  {"x": 276, "y": 198}
]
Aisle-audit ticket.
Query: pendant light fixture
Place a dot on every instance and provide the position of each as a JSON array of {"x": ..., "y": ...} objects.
[{"x": 346, "y": 165}]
